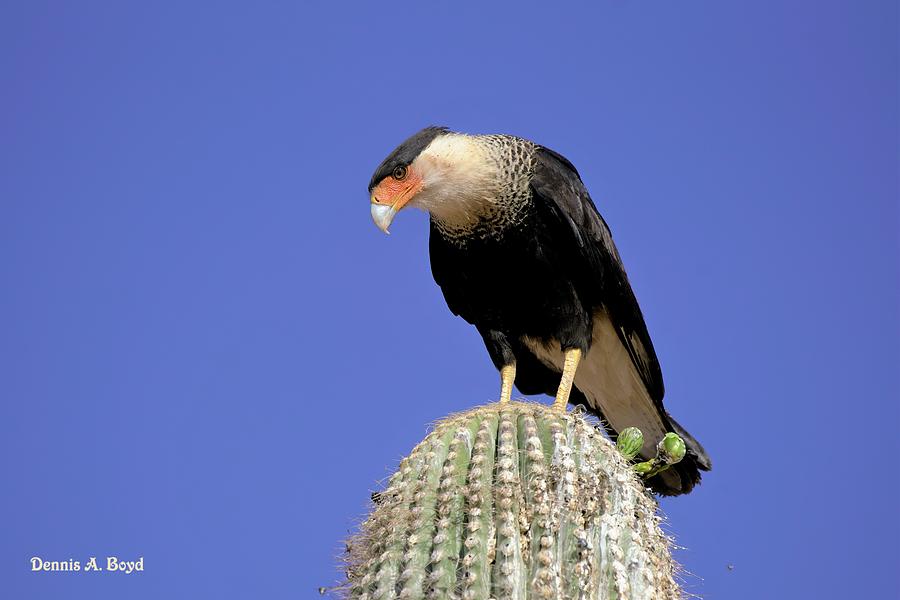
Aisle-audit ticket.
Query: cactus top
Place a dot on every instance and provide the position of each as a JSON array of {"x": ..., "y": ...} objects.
[{"x": 512, "y": 500}]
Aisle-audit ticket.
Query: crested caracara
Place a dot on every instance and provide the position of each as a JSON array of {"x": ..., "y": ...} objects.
[{"x": 520, "y": 252}]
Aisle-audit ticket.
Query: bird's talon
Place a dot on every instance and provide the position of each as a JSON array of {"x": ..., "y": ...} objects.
[
  {"x": 570, "y": 365},
  {"x": 507, "y": 379}
]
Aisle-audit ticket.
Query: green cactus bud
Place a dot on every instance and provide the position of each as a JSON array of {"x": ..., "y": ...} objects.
[
  {"x": 646, "y": 468},
  {"x": 512, "y": 500},
  {"x": 630, "y": 442},
  {"x": 671, "y": 449}
]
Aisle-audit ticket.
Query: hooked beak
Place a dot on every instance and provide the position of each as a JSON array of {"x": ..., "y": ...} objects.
[
  {"x": 383, "y": 214},
  {"x": 390, "y": 196}
]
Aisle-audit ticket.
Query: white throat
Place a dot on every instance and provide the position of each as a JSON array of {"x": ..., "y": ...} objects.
[{"x": 460, "y": 180}]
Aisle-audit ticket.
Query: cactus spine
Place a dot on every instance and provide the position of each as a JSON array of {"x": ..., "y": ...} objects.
[{"x": 512, "y": 500}]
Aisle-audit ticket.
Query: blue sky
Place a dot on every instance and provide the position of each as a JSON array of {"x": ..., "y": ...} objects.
[{"x": 209, "y": 354}]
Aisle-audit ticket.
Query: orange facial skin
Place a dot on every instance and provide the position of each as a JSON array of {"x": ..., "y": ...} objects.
[{"x": 397, "y": 192}]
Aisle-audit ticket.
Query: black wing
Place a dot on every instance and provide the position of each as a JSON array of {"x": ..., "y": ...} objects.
[{"x": 600, "y": 276}]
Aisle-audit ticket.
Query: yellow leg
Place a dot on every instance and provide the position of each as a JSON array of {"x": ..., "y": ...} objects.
[
  {"x": 573, "y": 357},
  {"x": 507, "y": 377}
]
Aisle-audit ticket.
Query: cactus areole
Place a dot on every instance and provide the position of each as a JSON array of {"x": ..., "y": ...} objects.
[{"x": 512, "y": 500}]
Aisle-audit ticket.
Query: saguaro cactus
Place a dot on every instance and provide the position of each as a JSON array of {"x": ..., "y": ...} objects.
[{"x": 512, "y": 500}]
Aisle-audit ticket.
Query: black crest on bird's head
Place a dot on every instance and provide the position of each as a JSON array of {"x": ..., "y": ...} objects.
[{"x": 405, "y": 153}]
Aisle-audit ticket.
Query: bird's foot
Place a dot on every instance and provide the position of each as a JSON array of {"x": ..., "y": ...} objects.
[
  {"x": 669, "y": 451},
  {"x": 570, "y": 365},
  {"x": 507, "y": 378}
]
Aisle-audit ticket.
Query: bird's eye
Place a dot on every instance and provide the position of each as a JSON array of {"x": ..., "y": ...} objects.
[{"x": 399, "y": 173}]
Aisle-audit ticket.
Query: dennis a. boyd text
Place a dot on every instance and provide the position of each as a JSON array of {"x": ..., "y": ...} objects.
[{"x": 111, "y": 563}]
